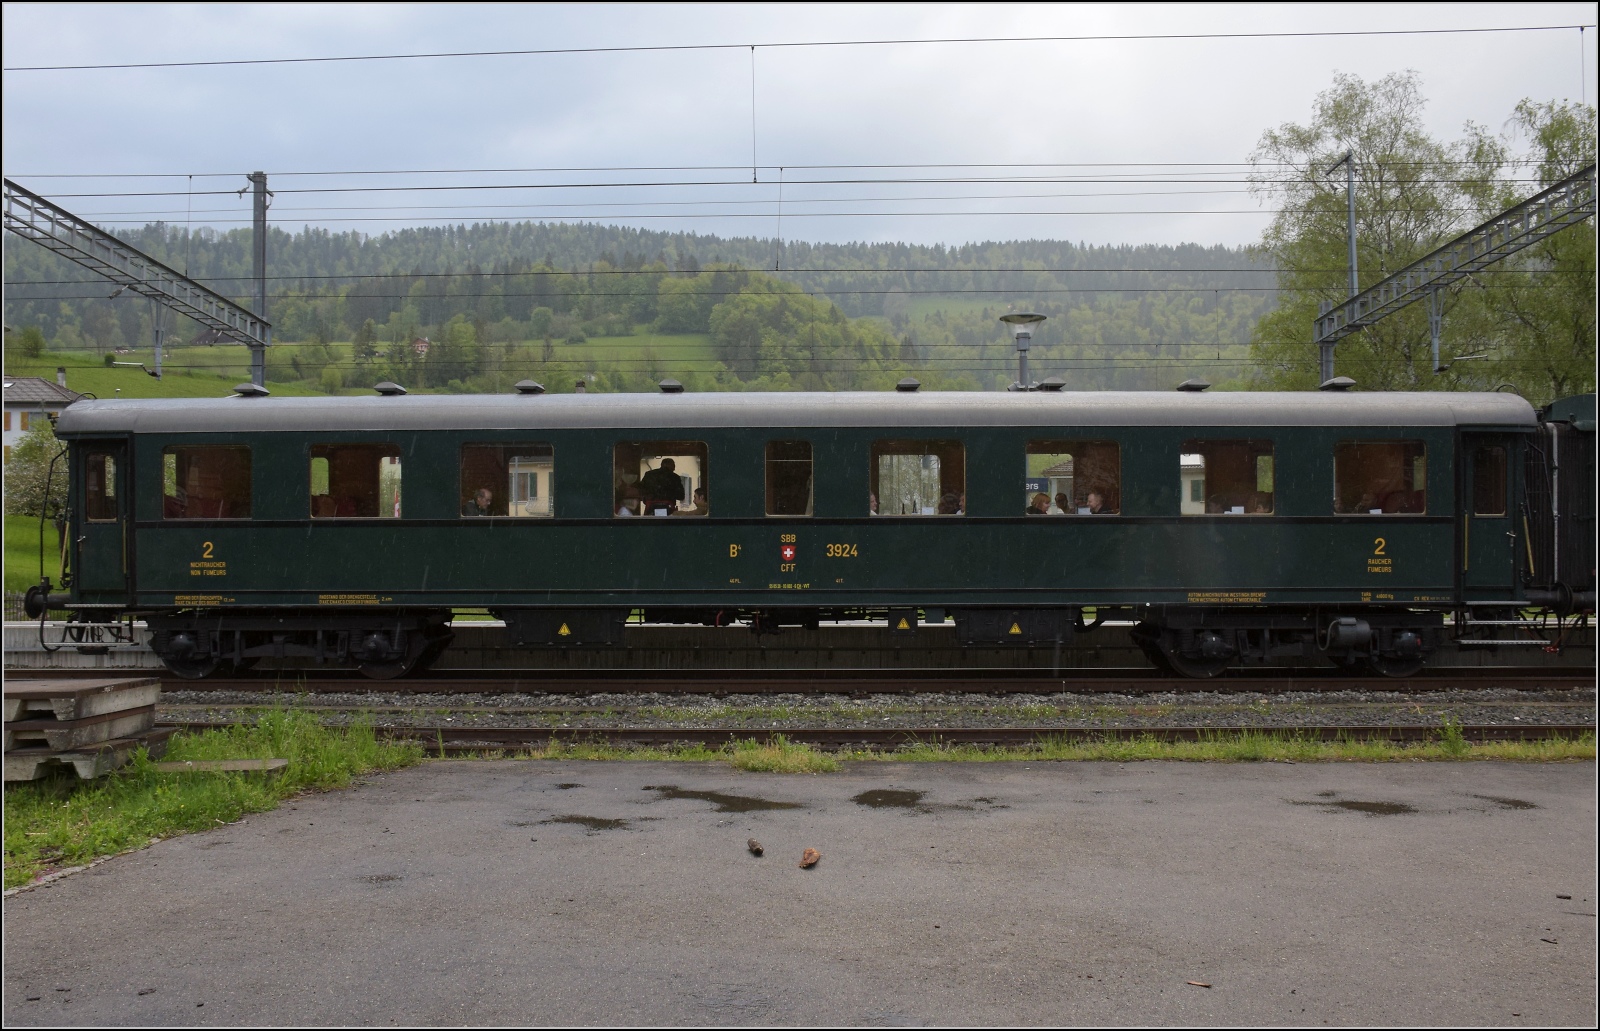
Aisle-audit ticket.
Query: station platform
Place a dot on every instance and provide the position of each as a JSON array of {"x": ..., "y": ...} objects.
[{"x": 577, "y": 893}]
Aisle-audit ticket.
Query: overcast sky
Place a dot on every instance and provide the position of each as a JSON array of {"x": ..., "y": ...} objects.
[{"x": 1185, "y": 103}]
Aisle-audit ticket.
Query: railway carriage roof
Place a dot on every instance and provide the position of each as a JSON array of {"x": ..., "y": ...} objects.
[{"x": 902, "y": 411}]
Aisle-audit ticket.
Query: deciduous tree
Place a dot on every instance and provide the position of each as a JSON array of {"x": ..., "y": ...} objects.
[{"x": 1528, "y": 321}]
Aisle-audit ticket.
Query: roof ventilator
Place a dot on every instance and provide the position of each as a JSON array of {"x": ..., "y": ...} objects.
[
  {"x": 388, "y": 389},
  {"x": 1339, "y": 383},
  {"x": 528, "y": 386},
  {"x": 670, "y": 386},
  {"x": 1194, "y": 386},
  {"x": 1053, "y": 384},
  {"x": 909, "y": 385},
  {"x": 251, "y": 390}
]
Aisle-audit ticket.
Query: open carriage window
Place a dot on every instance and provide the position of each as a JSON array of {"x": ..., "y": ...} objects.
[
  {"x": 660, "y": 478},
  {"x": 205, "y": 482},
  {"x": 355, "y": 481},
  {"x": 1073, "y": 477},
  {"x": 1226, "y": 477},
  {"x": 515, "y": 480},
  {"x": 1380, "y": 477},
  {"x": 918, "y": 478}
]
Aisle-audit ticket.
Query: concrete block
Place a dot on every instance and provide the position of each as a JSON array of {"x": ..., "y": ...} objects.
[
  {"x": 65, "y": 735},
  {"x": 89, "y": 763},
  {"x": 77, "y": 699}
]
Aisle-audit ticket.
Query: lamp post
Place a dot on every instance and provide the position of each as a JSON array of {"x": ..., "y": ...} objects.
[{"x": 1022, "y": 323}]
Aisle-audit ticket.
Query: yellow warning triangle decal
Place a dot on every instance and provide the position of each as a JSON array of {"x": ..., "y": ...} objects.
[
  {"x": 1015, "y": 629},
  {"x": 565, "y": 630},
  {"x": 903, "y": 624}
]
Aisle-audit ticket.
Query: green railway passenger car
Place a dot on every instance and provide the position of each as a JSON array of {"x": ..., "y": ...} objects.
[{"x": 1235, "y": 527}]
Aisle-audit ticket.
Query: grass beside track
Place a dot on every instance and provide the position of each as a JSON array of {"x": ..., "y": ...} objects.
[
  {"x": 63, "y": 821},
  {"x": 783, "y": 756}
]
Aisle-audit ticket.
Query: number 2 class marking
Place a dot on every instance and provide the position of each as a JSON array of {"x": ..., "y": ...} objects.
[
  {"x": 205, "y": 549},
  {"x": 1381, "y": 544}
]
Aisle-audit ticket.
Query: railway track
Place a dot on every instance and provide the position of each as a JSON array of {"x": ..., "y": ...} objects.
[
  {"x": 459, "y": 740},
  {"x": 863, "y": 683}
]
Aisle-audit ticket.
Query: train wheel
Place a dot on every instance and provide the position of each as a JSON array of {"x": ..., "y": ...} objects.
[
  {"x": 1198, "y": 669},
  {"x": 191, "y": 669},
  {"x": 417, "y": 647},
  {"x": 388, "y": 670},
  {"x": 1386, "y": 667},
  {"x": 436, "y": 647},
  {"x": 1148, "y": 637}
]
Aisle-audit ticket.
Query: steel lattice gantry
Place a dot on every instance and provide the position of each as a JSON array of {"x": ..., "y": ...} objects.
[
  {"x": 1566, "y": 203},
  {"x": 50, "y": 226}
]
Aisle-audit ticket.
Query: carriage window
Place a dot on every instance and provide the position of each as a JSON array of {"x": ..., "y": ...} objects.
[
  {"x": 205, "y": 483},
  {"x": 1380, "y": 477},
  {"x": 1073, "y": 477},
  {"x": 1226, "y": 477},
  {"x": 513, "y": 480},
  {"x": 1489, "y": 481},
  {"x": 100, "y": 487},
  {"x": 918, "y": 478},
  {"x": 660, "y": 478},
  {"x": 360, "y": 481},
  {"x": 788, "y": 477}
]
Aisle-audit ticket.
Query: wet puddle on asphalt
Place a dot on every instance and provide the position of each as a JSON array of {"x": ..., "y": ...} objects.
[
  {"x": 892, "y": 798},
  {"x": 724, "y": 802},
  {"x": 1328, "y": 802},
  {"x": 593, "y": 824},
  {"x": 1506, "y": 803},
  {"x": 912, "y": 802}
]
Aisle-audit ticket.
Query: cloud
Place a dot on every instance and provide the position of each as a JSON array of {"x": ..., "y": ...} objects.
[{"x": 1193, "y": 102}]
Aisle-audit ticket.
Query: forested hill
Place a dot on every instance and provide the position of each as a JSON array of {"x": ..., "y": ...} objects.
[{"x": 1111, "y": 307}]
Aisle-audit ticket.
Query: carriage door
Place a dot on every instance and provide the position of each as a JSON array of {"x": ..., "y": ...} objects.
[
  {"x": 101, "y": 555},
  {"x": 1489, "y": 537}
]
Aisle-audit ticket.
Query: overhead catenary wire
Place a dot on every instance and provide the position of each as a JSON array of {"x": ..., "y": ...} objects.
[
  {"x": 1019, "y": 291},
  {"x": 672, "y": 274},
  {"x": 709, "y": 201},
  {"x": 681, "y": 183},
  {"x": 1000, "y": 365},
  {"x": 1253, "y": 165},
  {"x": 823, "y": 292},
  {"x": 734, "y": 293},
  {"x": 801, "y": 44}
]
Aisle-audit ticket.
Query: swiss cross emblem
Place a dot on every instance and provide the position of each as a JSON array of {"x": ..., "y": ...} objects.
[{"x": 787, "y": 551}]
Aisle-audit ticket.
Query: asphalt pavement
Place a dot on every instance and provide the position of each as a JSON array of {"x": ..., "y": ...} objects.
[{"x": 555, "y": 893}]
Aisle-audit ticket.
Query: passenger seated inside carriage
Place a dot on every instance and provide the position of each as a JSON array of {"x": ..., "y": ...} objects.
[
  {"x": 1235, "y": 477},
  {"x": 1380, "y": 477},
  {"x": 660, "y": 478}
]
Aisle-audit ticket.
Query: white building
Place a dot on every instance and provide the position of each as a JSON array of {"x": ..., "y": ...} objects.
[
  {"x": 1193, "y": 471},
  {"x": 29, "y": 398}
]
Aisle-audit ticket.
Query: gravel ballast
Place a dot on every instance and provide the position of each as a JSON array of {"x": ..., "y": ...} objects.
[{"x": 932, "y": 710}]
